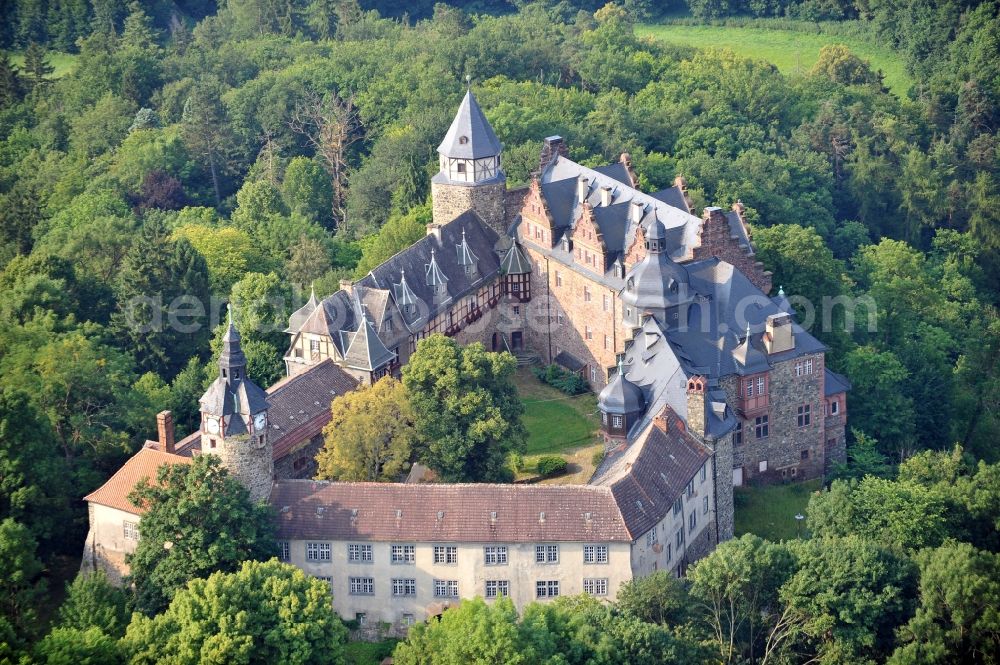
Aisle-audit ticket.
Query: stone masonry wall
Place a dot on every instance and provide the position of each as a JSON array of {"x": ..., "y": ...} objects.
[
  {"x": 450, "y": 201},
  {"x": 784, "y": 447},
  {"x": 564, "y": 327},
  {"x": 251, "y": 465},
  {"x": 722, "y": 467},
  {"x": 717, "y": 240},
  {"x": 301, "y": 462}
]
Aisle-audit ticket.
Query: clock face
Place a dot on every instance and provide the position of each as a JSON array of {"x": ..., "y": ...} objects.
[
  {"x": 212, "y": 425},
  {"x": 259, "y": 421}
]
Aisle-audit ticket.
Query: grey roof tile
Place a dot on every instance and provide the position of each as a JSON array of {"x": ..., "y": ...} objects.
[{"x": 472, "y": 125}]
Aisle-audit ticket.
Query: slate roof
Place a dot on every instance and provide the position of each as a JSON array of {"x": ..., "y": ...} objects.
[
  {"x": 621, "y": 396},
  {"x": 647, "y": 477},
  {"x": 144, "y": 464},
  {"x": 446, "y": 513},
  {"x": 834, "y": 383},
  {"x": 569, "y": 361},
  {"x": 470, "y": 123},
  {"x": 300, "y": 405},
  {"x": 514, "y": 261},
  {"x": 672, "y": 196}
]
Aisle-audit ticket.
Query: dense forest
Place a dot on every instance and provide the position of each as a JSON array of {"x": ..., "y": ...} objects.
[{"x": 151, "y": 151}]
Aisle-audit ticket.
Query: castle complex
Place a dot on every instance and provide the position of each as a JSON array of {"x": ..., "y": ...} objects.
[{"x": 704, "y": 382}]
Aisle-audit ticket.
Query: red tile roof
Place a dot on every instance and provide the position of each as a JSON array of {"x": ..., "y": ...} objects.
[
  {"x": 319, "y": 510},
  {"x": 114, "y": 493}
]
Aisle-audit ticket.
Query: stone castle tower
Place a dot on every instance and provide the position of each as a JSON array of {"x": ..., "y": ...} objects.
[
  {"x": 471, "y": 176},
  {"x": 234, "y": 420}
]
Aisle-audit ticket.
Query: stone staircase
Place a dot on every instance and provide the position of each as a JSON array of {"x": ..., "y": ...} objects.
[{"x": 526, "y": 358}]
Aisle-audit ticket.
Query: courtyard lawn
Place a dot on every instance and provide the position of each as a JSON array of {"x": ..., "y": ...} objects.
[
  {"x": 62, "y": 62},
  {"x": 769, "y": 511},
  {"x": 791, "y": 51},
  {"x": 555, "y": 421},
  {"x": 368, "y": 653}
]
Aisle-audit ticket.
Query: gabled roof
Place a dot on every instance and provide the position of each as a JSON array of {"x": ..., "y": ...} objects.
[
  {"x": 144, "y": 464},
  {"x": 366, "y": 351},
  {"x": 466, "y": 257},
  {"x": 300, "y": 405},
  {"x": 472, "y": 125},
  {"x": 647, "y": 477},
  {"x": 834, "y": 383},
  {"x": 471, "y": 513}
]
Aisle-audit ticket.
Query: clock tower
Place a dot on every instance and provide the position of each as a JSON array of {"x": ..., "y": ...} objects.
[{"x": 234, "y": 420}]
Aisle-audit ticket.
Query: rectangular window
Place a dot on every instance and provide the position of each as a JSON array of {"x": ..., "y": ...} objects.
[
  {"x": 607, "y": 343},
  {"x": 407, "y": 620},
  {"x": 805, "y": 454},
  {"x": 670, "y": 552},
  {"x": 589, "y": 332},
  {"x": 679, "y": 538},
  {"x": 809, "y": 366},
  {"x": 359, "y": 553},
  {"x": 497, "y": 588},
  {"x": 595, "y": 553},
  {"x": 546, "y": 588},
  {"x": 834, "y": 408},
  {"x": 318, "y": 551},
  {"x": 362, "y": 586},
  {"x": 798, "y": 369},
  {"x": 586, "y": 294},
  {"x": 445, "y": 554},
  {"x": 131, "y": 530},
  {"x": 749, "y": 388},
  {"x": 558, "y": 278},
  {"x": 678, "y": 505},
  {"x": 404, "y": 587},
  {"x": 651, "y": 537},
  {"x": 495, "y": 555},
  {"x": 803, "y": 415},
  {"x": 606, "y": 302},
  {"x": 739, "y": 435},
  {"x": 616, "y": 422},
  {"x": 689, "y": 490},
  {"x": 761, "y": 427},
  {"x": 692, "y": 521},
  {"x": 284, "y": 553},
  {"x": 446, "y": 588},
  {"x": 704, "y": 505},
  {"x": 760, "y": 385},
  {"x": 402, "y": 553},
  {"x": 546, "y": 554},
  {"x": 596, "y": 586}
]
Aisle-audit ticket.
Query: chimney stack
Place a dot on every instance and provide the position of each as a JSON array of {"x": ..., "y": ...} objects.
[
  {"x": 605, "y": 195},
  {"x": 778, "y": 335},
  {"x": 552, "y": 147},
  {"x": 165, "y": 431},
  {"x": 582, "y": 189},
  {"x": 346, "y": 285},
  {"x": 696, "y": 404},
  {"x": 637, "y": 209}
]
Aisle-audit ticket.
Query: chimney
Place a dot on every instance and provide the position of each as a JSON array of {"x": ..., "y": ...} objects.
[
  {"x": 346, "y": 285},
  {"x": 778, "y": 333},
  {"x": 434, "y": 230},
  {"x": 552, "y": 147},
  {"x": 165, "y": 431},
  {"x": 605, "y": 195},
  {"x": 636, "y": 211},
  {"x": 582, "y": 189},
  {"x": 696, "y": 405}
]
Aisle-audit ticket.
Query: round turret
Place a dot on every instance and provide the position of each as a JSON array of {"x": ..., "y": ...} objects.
[
  {"x": 621, "y": 403},
  {"x": 656, "y": 284}
]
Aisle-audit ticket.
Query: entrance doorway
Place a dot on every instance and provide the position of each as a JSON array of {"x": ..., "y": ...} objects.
[{"x": 516, "y": 340}]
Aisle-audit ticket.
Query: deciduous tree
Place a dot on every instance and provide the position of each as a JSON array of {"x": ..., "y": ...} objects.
[{"x": 370, "y": 435}]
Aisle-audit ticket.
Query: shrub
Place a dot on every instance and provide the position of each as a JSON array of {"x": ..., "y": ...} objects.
[
  {"x": 551, "y": 465},
  {"x": 561, "y": 379},
  {"x": 516, "y": 462},
  {"x": 597, "y": 457}
]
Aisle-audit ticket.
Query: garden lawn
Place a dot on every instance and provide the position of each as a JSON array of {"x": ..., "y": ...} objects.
[
  {"x": 555, "y": 421},
  {"x": 368, "y": 653},
  {"x": 791, "y": 51},
  {"x": 769, "y": 511}
]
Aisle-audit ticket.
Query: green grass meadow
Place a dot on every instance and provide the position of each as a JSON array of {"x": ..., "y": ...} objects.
[
  {"x": 62, "y": 62},
  {"x": 791, "y": 51},
  {"x": 769, "y": 511},
  {"x": 555, "y": 421}
]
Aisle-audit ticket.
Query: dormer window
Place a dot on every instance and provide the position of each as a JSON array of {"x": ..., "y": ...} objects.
[
  {"x": 236, "y": 374},
  {"x": 463, "y": 139},
  {"x": 631, "y": 284}
]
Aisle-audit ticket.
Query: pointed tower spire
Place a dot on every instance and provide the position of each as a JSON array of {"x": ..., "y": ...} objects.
[
  {"x": 232, "y": 362},
  {"x": 470, "y": 135}
]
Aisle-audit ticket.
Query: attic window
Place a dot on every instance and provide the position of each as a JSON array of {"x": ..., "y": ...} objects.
[
  {"x": 463, "y": 139},
  {"x": 460, "y": 167}
]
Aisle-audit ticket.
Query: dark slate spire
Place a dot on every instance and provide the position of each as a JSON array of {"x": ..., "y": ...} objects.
[
  {"x": 466, "y": 257},
  {"x": 232, "y": 362},
  {"x": 621, "y": 396},
  {"x": 750, "y": 359},
  {"x": 435, "y": 278},
  {"x": 470, "y": 135}
]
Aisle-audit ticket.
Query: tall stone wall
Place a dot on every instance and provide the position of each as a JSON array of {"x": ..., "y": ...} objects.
[
  {"x": 791, "y": 452},
  {"x": 451, "y": 200},
  {"x": 722, "y": 467},
  {"x": 250, "y": 463}
]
